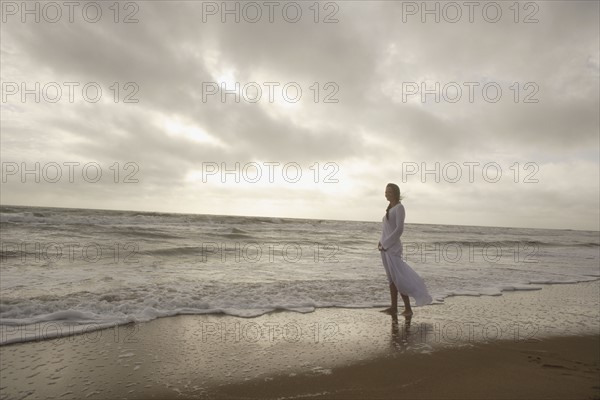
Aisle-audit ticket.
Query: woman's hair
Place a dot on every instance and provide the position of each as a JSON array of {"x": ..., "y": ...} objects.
[{"x": 396, "y": 191}]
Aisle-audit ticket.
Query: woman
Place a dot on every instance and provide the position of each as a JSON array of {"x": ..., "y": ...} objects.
[{"x": 401, "y": 277}]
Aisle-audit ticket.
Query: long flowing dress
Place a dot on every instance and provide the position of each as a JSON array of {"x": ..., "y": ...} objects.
[{"x": 407, "y": 281}]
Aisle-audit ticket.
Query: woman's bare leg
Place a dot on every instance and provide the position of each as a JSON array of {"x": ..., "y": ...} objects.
[
  {"x": 394, "y": 297},
  {"x": 407, "y": 309}
]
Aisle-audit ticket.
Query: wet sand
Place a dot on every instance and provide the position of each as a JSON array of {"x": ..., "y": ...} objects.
[
  {"x": 523, "y": 344},
  {"x": 552, "y": 368}
]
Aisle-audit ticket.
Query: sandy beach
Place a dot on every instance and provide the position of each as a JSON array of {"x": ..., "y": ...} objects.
[
  {"x": 535, "y": 344},
  {"x": 552, "y": 368}
]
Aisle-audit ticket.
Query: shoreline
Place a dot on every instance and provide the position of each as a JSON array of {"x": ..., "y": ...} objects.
[
  {"x": 58, "y": 330},
  {"x": 221, "y": 356}
]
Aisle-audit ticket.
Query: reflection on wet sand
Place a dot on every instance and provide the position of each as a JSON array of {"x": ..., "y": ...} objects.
[{"x": 405, "y": 336}]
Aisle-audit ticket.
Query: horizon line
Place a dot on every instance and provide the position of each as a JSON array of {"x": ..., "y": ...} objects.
[{"x": 293, "y": 218}]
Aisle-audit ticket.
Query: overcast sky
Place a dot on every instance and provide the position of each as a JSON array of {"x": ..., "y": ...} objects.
[{"x": 335, "y": 100}]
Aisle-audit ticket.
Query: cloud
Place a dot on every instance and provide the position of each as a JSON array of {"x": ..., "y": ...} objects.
[{"x": 365, "y": 63}]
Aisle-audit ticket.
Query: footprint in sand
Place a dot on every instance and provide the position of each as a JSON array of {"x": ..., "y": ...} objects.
[
  {"x": 535, "y": 359},
  {"x": 554, "y": 366}
]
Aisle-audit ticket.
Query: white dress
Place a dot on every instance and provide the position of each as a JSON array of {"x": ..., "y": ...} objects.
[{"x": 407, "y": 281}]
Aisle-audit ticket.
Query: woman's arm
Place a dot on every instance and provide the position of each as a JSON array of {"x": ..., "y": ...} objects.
[{"x": 394, "y": 237}]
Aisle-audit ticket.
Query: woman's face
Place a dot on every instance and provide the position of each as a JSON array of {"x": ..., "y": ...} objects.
[{"x": 389, "y": 193}]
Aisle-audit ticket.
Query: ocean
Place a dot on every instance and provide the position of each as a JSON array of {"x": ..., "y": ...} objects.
[{"x": 64, "y": 271}]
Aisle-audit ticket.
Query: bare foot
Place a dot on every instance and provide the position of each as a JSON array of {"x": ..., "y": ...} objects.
[
  {"x": 407, "y": 313},
  {"x": 391, "y": 311}
]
